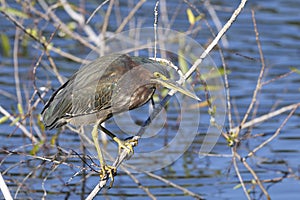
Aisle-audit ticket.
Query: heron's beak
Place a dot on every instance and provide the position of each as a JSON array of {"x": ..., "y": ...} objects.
[{"x": 175, "y": 86}]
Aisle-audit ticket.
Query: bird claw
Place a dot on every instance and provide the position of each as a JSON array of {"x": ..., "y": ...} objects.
[
  {"x": 126, "y": 144},
  {"x": 108, "y": 171}
]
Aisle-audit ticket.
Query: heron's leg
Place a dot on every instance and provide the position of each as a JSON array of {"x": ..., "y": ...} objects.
[
  {"x": 125, "y": 144},
  {"x": 105, "y": 169}
]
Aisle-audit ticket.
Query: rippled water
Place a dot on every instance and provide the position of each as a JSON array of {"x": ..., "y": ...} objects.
[{"x": 210, "y": 177}]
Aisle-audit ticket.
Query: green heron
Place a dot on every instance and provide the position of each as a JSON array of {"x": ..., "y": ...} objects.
[{"x": 108, "y": 85}]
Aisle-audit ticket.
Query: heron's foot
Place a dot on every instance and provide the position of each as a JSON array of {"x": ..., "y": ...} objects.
[
  {"x": 126, "y": 144},
  {"x": 108, "y": 171}
]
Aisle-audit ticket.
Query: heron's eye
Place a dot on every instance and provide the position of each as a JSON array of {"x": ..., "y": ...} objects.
[{"x": 159, "y": 75}]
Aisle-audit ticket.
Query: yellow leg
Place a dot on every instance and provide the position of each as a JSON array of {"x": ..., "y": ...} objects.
[
  {"x": 127, "y": 144},
  {"x": 105, "y": 169}
]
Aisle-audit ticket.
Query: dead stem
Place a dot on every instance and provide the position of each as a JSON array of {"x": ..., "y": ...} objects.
[
  {"x": 64, "y": 27},
  {"x": 19, "y": 125},
  {"x": 139, "y": 184},
  {"x": 237, "y": 171},
  {"x": 95, "y": 11},
  {"x": 4, "y": 189},
  {"x": 259, "y": 80},
  {"x": 256, "y": 178},
  {"x": 16, "y": 66},
  {"x": 130, "y": 15},
  {"x": 294, "y": 108},
  {"x": 266, "y": 117}
]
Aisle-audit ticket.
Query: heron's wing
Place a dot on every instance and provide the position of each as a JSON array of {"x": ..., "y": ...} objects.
[
  {"x": 89, "y": 90},
  {"x": 67, "y": 104}
]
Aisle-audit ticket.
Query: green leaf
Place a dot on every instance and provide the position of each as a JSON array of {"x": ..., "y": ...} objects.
[
  {"x": 191, "y": 16},
  {"x": 237, "y": 186},
  {"x": 33, "y": 32},
  {"x": 15, "y": 121},
  {"x": 20, "y": 109},
  {"x": 182, "y": 62},
  {"x": 199, "y": 17},
  {"x": 40, "y": 123},
  {"x": 215, "y": 73},
  {"x": 5, "y": 45},
  {"x": 294, "y": 69},
  {"x": 209, "y": 88},
  {"x": 14, "y": 12},
  {"x": 35, "y": 149},
  {"x": 3, "y": 119},
  {"x": 53, "y": 139},
  {"x": 181, "y": 55}
]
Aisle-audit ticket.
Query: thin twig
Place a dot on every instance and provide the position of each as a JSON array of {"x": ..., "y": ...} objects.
[
  {"x": 106, "y": 18},
  {"x": 257, "y": 180},
  {"x": 277, "y": 78},
  {"x": 104, "y": 27},
  {"x": 69, "y": 56},
  {"x": 259, "y": 80},
  {"x": 129, "y": 16},
  {"x": 42, "y": 42},
  {"x": 266, "y": 117},
  {"x": 51, "y": 160},
  {"x": 164, "y": 14},
  {"x": 186, "y": 191},
  {"x": 51, "y": 61},
  {"x": 237, "y": 171},
  {"x": 146, "y": 189},
  {"x": 217, "y": 38},
  {"x": 16, "y": 66},
  {"x": 53, "y": 168},
  {"x": 4, "y": 189},
  {"x": 227, "y": 89},
  {"x": 79, "y": 18},
  {"x": 117, "y": 163},
  {"x": 64, "y": 27},
  {"x": 19, "y": 125},
  {"x": 155, "y": 28},
  {"x": 96, "y": 10},
  {"x": 294, "y": 108},
  {"x": 216, "y": 21},
  {"x": 25, "y": 179}
]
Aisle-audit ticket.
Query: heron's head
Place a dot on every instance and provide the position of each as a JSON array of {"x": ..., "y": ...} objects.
[{"x": 161, "y": 76}]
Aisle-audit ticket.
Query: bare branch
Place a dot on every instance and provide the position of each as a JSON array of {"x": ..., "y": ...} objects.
[
  {"x": 237, "y": 171},
  {"x": 4, "y": 189},
  {"x": 96, "y": 10},
  {"x": 64, "y": 27},
  {"x": 266, "y": 116},
  {"x": 257, "y": 180},
  {"x": 146, "y": 189},
  {"x": 216, "y": 21},
  {"x": 19, "y": 125},
  {"x": 217, "y": 38},
  {"x": 79, "y": 18},
  {"x": 259, "y": 80},
  {"x": 294, "y": 108},
  {"x": 130, "y": 15}
]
